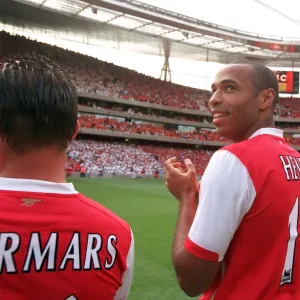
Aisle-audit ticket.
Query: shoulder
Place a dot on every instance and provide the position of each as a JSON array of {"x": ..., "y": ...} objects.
[
  {"x": 100, "y": 214},
  {"x": 261, "y": 144},
  {"x": 224, "y": 158},
  {"x": 225, "y": 165},
  {"x": 241, "y": 148},
  {"x": 227, "y": 174},
  {"x": 246, "y": 152},
  {"x": 258, "y": 155}
]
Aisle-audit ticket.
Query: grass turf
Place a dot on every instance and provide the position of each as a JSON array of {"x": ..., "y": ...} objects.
[{"x": 151, "y": 212}]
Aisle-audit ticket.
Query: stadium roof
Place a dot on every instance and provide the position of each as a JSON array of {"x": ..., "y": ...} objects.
[
  {"x": 202, "y": 34},
  {"x": 273, "y": 19}
]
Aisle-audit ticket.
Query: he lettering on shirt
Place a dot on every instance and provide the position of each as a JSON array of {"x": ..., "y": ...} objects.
[
  {"x": 239, "y": 238},
  {"x": 55, "y": 243}
]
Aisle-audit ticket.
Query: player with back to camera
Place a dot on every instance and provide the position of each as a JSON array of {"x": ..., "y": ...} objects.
[
  {"x": 55, "y": 243},
  {"x": 240, "y": 240}
]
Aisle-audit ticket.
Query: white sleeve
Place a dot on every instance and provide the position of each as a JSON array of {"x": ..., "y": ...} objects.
[
  {"x": 226, "y": 195},
  {"x": 124, "y": 290}
]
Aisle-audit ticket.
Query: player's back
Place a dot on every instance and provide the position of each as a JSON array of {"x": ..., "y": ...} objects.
[
  {"x": 57, "y": 244},
  {"x": 263, "y": 259}
]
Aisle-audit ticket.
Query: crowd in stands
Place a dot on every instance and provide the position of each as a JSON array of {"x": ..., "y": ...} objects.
[
  {"x": 105, "y": 79},
  {"x": 165, "y": 115},
  {"x": 293, "y": 140},
  {"x": 115, "y": 158},
  {"x": 289, "y": 108},
  {"x": 117, "y": 124},
  {"x": 199, "y": 157},
  {"x": 138, "y": 111},
  {"x": 122, "y": 158},
  {"x": 136, "y": 127},
  {"x": 95, "y": 76},
  {"x": 110, "y": 158}
]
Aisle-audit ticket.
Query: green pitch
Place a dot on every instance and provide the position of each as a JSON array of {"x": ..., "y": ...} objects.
[{"x": 151, "y": 212}]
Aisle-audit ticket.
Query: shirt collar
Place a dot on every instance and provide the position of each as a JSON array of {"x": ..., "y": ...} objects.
[
  {"x": 36, "y": 186},
  {"x": 270, "y": 131}
]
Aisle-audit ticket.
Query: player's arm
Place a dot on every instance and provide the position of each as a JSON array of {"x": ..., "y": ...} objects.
[
  {"x": 226, "y": 195},
  {"x": 124, "y": 290}
]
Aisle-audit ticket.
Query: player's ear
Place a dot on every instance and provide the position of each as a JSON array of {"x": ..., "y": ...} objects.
[
  {"x": 266, "y": 99},
  {"x": 76, "y": 130}
]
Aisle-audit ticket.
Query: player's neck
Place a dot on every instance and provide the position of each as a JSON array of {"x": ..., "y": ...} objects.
[
  {"x": 267, "y": 124},
  {"x": 46, "y": 165}
]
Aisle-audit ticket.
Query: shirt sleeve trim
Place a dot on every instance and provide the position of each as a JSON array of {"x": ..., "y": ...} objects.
[{"x": 200, "y": 252}]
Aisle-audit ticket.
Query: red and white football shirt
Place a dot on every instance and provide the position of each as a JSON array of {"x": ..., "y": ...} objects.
[
  {"x": 248, "y": 218},
  {"x": 57, "y": 244}
]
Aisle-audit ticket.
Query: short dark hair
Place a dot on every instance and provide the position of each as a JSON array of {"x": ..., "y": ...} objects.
[
  {"x": 38, "y": 104},
  {"x": 263, "y": 78}
]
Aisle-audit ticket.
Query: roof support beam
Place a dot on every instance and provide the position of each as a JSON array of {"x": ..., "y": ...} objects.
[
  {"x": 77, "y": 13},
  {"x": 114, "y": 18},
  {"x": 141, "y": 26},
  {"x": 42, "y": 3},
  {"x": 148, "y": 16}
]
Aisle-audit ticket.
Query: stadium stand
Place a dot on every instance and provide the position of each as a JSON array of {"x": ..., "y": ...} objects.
[
  {"x": 95, "y": 76},
  {"x": 99, "y": 80},
  {"x": 108, "y": 123},
  {"x": 124, "y": 159},
  {"x": 111, "y": 158}
]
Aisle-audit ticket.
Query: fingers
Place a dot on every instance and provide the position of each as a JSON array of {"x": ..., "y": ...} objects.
[
  {"x": 172, "y": 164},
  {"x": 198, "y": 186},
  {"x": 166, "y": 172},
  {"x": 189, "y": 165},
  {"x": 176, "y": 165},
  {"x": 169, "y": 162}
]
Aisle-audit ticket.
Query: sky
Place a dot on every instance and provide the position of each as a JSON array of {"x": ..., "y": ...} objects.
[{"x": 248, "y": 15}]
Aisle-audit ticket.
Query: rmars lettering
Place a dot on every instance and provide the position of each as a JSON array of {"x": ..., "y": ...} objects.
[{"x": 81, "y": 256}]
